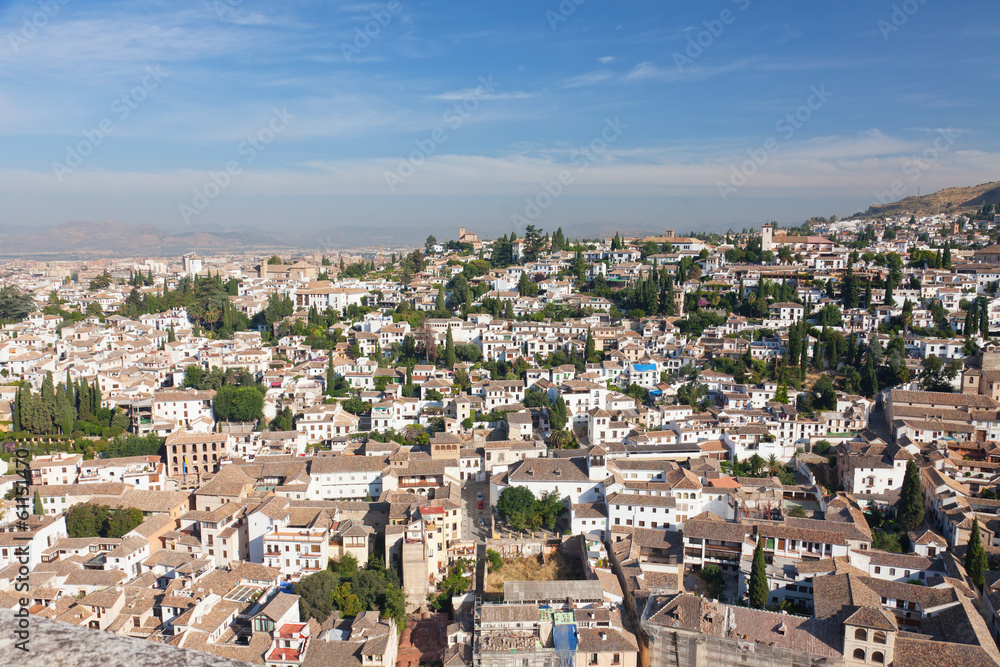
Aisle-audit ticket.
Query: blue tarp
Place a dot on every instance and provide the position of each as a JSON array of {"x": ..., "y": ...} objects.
[{"x": 564, "y": 637}]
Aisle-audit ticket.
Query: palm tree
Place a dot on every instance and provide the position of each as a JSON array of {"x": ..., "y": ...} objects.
[
  {"x": 560, "y": 438},
  {"x": 772, "y": 464}
]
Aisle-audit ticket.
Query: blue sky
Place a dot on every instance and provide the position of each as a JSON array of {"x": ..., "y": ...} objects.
[{"x": 653, "y": 114}]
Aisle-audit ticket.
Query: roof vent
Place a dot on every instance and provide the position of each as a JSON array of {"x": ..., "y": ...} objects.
[{"x": 604, "y": 635}]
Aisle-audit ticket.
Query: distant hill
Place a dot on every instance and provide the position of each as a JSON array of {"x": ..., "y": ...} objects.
[
  {"x": 116, "y": 238},
  {"x": 949, "y": 200}
]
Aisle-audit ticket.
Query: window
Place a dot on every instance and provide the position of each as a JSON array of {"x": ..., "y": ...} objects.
[
  {"x": 616, "y": 658},
  {"x": 861, "y": 634},
  {"x": 878, "y": 658},
  {"x": 859, "y": 654},
  {"x": 593, "y": 658},
  {"x": 879, "y": 638}
]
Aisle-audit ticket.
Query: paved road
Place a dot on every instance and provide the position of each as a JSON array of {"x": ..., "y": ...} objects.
[{"x": 471, "y": 513}]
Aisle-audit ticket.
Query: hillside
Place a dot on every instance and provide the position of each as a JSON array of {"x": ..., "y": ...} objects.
[{"x": 949, "y": 200}]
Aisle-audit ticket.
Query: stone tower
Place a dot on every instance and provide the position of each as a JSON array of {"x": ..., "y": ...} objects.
[{"x": 767, "y": 237}]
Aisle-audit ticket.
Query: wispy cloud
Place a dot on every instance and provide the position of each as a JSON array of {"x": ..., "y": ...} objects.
[
  {"x": 589, "y": 79},
  {"x": 458, "y": 95}
]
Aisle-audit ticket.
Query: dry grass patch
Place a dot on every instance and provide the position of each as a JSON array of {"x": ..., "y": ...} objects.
[{"x": 532, "y": 569}]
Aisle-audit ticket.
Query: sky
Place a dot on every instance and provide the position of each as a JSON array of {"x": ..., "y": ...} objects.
[{"x": 303, "y": 118}]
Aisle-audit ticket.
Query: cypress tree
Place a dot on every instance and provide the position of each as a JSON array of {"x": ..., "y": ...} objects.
[
  {"x": 70, "y": 395},
  {"x": 910, "y": 508},
  {"x": 757, "y": 588},
  {"x": 47, "y": 404},
  {"x": 590, "y": 347},
  {"x": 449, "y": 350},
  {"x": 95, "y": 395},
  {"x": 984, "y": 320},
  {"x": 975, "y": 556},
  {"x": 38, "y": 509},
  {"x": 329, "y": 376}
]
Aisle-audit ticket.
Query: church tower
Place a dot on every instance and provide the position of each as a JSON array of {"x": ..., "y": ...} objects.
[{"x": 767, "y": 237}]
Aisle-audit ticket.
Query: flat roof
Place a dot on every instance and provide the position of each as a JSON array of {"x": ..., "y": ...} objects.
[{"x": 541, "y": 591}]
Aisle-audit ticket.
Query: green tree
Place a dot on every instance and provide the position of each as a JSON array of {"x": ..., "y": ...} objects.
[
  {"x": 439, "y": 301},
  {"x": 516, "y": 505},
  {"x": 242, "y": 404},
  {"x": 758, "y": 588},
  {"x": 38, "y": 508},
  {"x": 826, "y": 394},
  {"x": 910, "y": 506},
  {"x": 533, "y": 243},
  {"x": 392, "y": 603},
  {"x": 715, "y": 582},
  {"x": 123, "y": 520},
  {"x": 331, "y": 376},
  {"x": 975, "y": 556},
  {"x": 558, "y": 415},
  {"x": 315, "y": 593},
  {"x": 935, "y": 375},
  {"x": 549, "y": 509},
  {"x": 86, "y": 520},
  {"x": 449, "y": 350},
  {"x": 526, "y": 286}
]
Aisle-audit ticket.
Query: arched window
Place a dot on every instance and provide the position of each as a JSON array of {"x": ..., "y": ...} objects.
[
  {"x": 878, "y": 658},
  {"x": 879, "y": 637},
  {"x": 859, "y": 654},
  {"x": 861, "y": 634}
]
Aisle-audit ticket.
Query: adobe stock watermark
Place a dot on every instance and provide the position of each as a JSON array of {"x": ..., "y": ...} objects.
[
  {"x": 428, "y": 146},
  {"x": 31, "y": 25},
  {"x": 121, "y": 108},
  {"x": 222, "y": 6},
  {"x": 364, "y": 35},
  {"x": 248, "y": 150},
  {"x": 917, "y": 165},
  {"x": 581, "y": 158},
  {"x": 565, "y": 9},
  {"x": 898, "y": 17},
  {"x": 786, "y": 126},
  {"x": 704, "y": 39}
]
